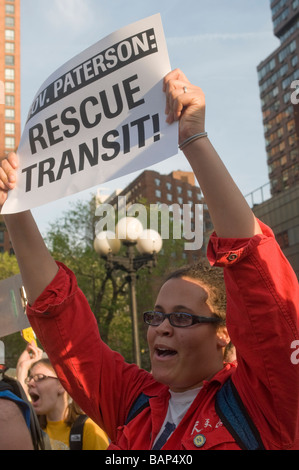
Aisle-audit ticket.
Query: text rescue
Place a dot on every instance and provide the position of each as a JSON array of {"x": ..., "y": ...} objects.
[{"x": 106, "y": 104}]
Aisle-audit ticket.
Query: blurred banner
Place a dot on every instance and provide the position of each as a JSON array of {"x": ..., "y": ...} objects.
[{"x": 13, "y": 317}]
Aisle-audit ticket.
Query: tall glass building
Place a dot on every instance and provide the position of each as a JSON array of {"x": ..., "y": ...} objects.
[{"x": 278, "y": 75}]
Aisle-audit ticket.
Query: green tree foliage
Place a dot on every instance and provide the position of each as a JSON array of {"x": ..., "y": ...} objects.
[
  {"x": 70, "y": 241},
  {"x": 9, "y": 266}
]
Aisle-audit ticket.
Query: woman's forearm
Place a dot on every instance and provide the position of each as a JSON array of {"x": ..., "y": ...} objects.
[
  {"x": 229, "y": 211},
  {"x": 36, "y": 264}
]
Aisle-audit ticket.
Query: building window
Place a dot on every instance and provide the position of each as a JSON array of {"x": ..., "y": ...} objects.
[
  {"x": 9, "y": 100},
  {"x": 283, "y": 239},
  {"x": 9, "y": 142},
  {"x": 168, "y": 186},
  {"x": 9, "y": 60},
  {"x": 269, "y": 96},
  {"x": 9, "y": 87},
  {"x": 294, "y": 154},
  {"x": 1, "y": 236},
  {"x": 286, "y": 97},
  {"x": 10, "y": 114},
  {"x": 294, "y": 61},
  {"x": 9, "y": 21},
  {"x": 158, "y": 193},
  {"x": 9, "y": 128},
  {"x": 285, "y": 179},
  {"x": 10, "y": 47},
  {"x": 286, "y": 51},
  {"x": 179, "y": 189},
  {"x": 282, "y": 146},
  {"x": 267, "y": 68},
  {"x": 283, "y": 15},
  {"x": 9, "y": 35},
  {"x": 169, "y": 197},
  {"x": 9, "y": 74},
  {"x": 9, "y": 9},
  {"x": 291, "y": 126}
]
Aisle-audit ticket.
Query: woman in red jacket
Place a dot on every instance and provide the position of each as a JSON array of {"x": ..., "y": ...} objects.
[{"x": 186, "y": 339}]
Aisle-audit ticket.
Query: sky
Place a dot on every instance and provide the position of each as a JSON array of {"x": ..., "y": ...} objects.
[{"x": 217, "y": 43}]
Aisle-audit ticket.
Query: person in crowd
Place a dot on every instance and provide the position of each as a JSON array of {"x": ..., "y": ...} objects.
[
  {"x": 56, "y": 411},
  {"x": 29, "y": 356},
  {"x": 15, "y": 434},
  {"x": 186, "y": 335}
]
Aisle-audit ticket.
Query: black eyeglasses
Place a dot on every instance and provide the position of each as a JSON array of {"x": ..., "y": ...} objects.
[
  {"x": 177, "y": 319},
  {"x": 38, "y": 378}
]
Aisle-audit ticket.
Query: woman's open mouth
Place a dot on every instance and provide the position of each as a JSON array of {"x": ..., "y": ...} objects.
[
  {"x": 163, "y": 352},
  {"x": 34, "y": 398}
]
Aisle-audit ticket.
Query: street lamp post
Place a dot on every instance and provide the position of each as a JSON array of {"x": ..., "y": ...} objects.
[{"x": 130, "y": 233}]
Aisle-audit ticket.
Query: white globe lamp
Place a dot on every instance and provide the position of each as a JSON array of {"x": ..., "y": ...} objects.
[
  {"x": 106, "y": 242},
  {"x": 129, "y": 229},
  {"x": 149, "y": 241}
]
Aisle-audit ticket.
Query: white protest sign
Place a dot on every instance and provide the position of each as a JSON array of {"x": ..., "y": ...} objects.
[{"x": 98, "y": 117}]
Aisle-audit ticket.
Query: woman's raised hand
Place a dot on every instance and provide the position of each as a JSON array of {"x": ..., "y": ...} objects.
[{"x": 8, "y": 176}]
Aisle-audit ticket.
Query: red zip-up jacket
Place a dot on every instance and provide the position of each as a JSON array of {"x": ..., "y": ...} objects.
[{"x": 262, "y": 319}]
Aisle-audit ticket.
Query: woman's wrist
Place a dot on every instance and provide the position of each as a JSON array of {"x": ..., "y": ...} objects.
[{"x": 191, "y": 139}]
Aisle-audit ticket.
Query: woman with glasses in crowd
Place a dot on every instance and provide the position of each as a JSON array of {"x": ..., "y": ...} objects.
[
  {"x": 56, "y": 411},
  {"x": 186, "y": 333}
]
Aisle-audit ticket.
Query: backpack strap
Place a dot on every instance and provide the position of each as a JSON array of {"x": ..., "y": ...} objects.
[
  {"x": 47, "y": 442},
  {"x": 76, "y": 433},
  {"x": 24, "y": 407},
  {"x": 236, "y": 419},
  {"x": 141, "y": 402}
]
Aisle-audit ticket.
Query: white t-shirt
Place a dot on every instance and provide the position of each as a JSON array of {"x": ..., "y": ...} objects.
[{"x": 178, "y": 406}]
